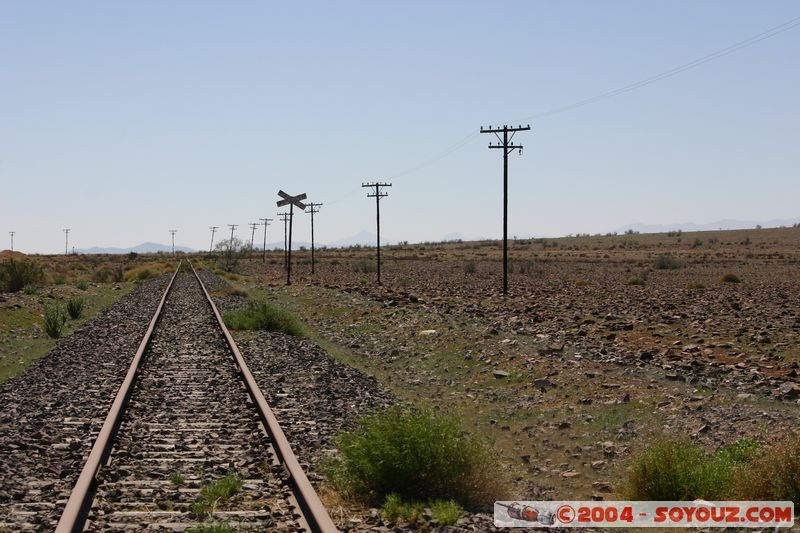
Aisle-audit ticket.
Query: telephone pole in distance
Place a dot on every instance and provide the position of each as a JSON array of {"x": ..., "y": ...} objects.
[
  {"x": 507, "y": 145},
  {"x": 66, "y": 240},
  {"x": 313, "y": 208},
  {"x": 213, "y": 231},
  {"x": 266, "y": 222},
  {"x": 378, "y": 194},
  {"x": 173, "y": 232}
]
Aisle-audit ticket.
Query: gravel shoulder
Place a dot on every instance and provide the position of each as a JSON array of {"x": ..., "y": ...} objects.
[{"x": 51, "y": 413}]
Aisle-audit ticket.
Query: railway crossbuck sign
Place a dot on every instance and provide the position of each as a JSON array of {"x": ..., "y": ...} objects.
[{"x": 291, "y": 201}]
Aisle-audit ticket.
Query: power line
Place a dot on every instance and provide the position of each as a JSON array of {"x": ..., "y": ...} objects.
[
  {"x": 253, "y": 226},
  {"x": 233, "y": 227},
  {"x": 213, "y": 231},
  {"x": 378, "y": 194},
  {"x": 788, "y": 25},
  {"x": 313, "y": 208},
  {"x": 507, "y": 145},
  {"x": 772, "y": 32},
  {"x": 173, "y": 232},
  {"x": 266, "y": 222}
]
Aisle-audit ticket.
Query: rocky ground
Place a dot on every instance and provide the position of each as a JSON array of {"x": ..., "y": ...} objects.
[
  {"x": 50, "y": 414},
  {"x": 594, "y": 352}
]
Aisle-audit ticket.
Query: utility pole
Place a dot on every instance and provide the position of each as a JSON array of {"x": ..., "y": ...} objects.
[
  {"x": 266, "y": 222},
  {"x": 12, "y": 239},
  {"x": 233, "y": 227},
  {"x": 313, "y": 208},
  {"x": 66, "y": 241},
  {"x": 378, "y": 194},
  {"x": 173, "y": 232},
  {"x": 508, "y": 146},
  {"x": 253, "y": 226},
  {"x": 213, "y": 231},
  {"x": 291, "y": 201},
  {"x": 285, "y": 219}
]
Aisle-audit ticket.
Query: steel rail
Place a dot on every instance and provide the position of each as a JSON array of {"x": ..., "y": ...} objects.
[
  {"x": 74, "y": 514},
  {"x": 315, "y": 513}
]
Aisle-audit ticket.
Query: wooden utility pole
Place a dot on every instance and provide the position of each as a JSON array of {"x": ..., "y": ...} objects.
[
  {"x": 313, "y": 208},
  {"x": 266, "y": 222},
  {"x": 253, "y": 226},
  {"x": 233, "y": 227},
  {"x": 173, "y": 232},
  {"x": 285, "y": 219},
  {"x": 66, "y": 240},
  {"x": 378, "y": 194},
  {"x": 291, "y": 201},
  {"x": 213, "y": 231},
  {"x": 508, "y": 146}
]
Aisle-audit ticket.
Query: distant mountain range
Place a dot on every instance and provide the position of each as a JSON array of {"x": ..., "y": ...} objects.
[
  {"x": 367, "y": 238},
  {"x": 144, "y": 248},
  {"x": 711, "y": 226}
]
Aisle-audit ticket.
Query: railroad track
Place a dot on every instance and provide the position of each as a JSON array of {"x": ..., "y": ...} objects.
[{"x": 189, "y": 440}]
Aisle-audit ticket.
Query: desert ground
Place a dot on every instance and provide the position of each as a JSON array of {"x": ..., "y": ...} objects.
[{"x": 602, "y": 345}]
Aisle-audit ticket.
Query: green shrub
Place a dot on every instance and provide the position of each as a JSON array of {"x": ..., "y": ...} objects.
[
  {"x": 636, "y": 281},
  {"x": 667, "y": 262},
  {"x": 107, "y": 274},
  {"x": 54, "y": 320},
  {"x": 774, "y": 475},
  {"x": 216, "y": 494},
  {"x": 394, "y": 507},
  {"x": 58, "y": 279},
  {"x": 82, "y": 284},
  {"x": 418, "y": 455},
  {"x": 260, "y": 315},
  {"x": 139, "y": 274},
  {"x": 470, "y": 267},
  {"x": 729, "y": 278},
  {"x": 364, "y": 267},
  {"x": 17, "y": 273},
  {"x": 677, "y": 469},
  {"x": 446, "y": 513},
  {"x": 30, "y": 289},
  {"x": 75, "y": 308}
]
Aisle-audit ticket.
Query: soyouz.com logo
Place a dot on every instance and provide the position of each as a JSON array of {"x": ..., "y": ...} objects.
[{"x": 698, "y": 513}]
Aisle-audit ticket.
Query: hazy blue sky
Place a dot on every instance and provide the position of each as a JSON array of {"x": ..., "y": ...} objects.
[{"x": 124, "y": 120}]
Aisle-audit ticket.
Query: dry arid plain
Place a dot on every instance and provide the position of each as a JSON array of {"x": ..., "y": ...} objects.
[{"x": 603, "y": 346}]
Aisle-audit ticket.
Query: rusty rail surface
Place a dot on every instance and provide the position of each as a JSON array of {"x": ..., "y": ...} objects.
[
  {"x": 80, "y": 499},
  {"x": 314, "y": 512}
]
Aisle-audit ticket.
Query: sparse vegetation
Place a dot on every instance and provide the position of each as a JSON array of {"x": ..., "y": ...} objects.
[
  {"x": 30, "y": 289},
  {"x": 773, "y": 475},
  {"x": 54, "y": 320},
  {"x": 215, "y": 495},
  {"x": 470, "y": 267},
  {"x": 678, "y": 469},
  {"x": 667, "y": 262},
  {"x": 75, "y": 308},
  {"x": 177, "y": 479},
  {"x": 17, "y": 273},
  {"x": 364, "y": 267},
  {"x": 260, "y": 315},
  {"x": 729, "y": 278},
  {"x": 82, "y": 285},
  {"x": 417, "y": 455}
]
